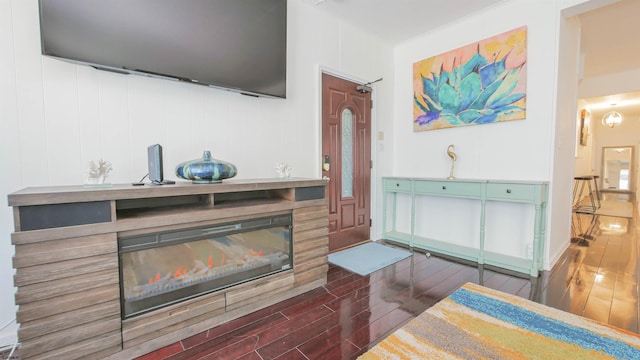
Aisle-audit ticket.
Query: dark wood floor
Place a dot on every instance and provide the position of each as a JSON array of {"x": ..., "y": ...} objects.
[{"x": 597, "y": 277}]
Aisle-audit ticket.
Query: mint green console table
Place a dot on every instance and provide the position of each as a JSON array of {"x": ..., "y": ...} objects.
[{"x": 529, "y": 192}]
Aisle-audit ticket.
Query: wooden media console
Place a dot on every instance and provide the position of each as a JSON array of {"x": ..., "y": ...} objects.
[{"x": 67, "y": 262}]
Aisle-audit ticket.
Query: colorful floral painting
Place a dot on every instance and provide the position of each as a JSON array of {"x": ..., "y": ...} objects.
[{"x": 481, "y": 83}]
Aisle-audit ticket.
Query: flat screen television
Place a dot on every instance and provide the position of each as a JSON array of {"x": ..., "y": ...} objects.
[{"x": 237, "y": 45}]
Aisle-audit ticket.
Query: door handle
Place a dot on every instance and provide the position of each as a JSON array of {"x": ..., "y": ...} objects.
[{"x": 326, "y": 165}]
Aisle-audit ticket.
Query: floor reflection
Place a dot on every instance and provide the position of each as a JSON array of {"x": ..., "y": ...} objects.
[
  {"x": 420, "y": 291},
  {"x": 613, "y": 225},
  {"x": 598, "y": 275}
]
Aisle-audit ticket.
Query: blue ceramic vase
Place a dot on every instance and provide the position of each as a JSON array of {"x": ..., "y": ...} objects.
[{"x": 206, "y": 170}]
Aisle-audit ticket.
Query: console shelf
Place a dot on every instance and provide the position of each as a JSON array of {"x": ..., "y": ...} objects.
[{"x": 184, "y": 209}]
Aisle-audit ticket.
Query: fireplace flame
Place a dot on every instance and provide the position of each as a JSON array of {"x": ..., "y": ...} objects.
[
  {"x": 182, "y": 272},
  {"x": 254, "y": 253},
  {"x": 156, "y": 279}
]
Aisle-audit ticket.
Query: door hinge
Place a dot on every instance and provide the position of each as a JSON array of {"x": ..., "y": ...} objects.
[
  {"x": 371, "y": 107},
  {"x": 370, "y": 222},
  {"x": 370, "y": 164}
]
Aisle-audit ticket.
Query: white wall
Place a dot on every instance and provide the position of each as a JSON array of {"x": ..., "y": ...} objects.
[
  {"x": 517, "y": 149},
  {"x": 56, "y": 117},
  {"x": 565, "y": 142},
  {"x": 513, "y": 150}
]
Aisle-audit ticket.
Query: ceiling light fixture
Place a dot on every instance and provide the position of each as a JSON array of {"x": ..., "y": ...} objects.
[{"x": 612, "y": 118}]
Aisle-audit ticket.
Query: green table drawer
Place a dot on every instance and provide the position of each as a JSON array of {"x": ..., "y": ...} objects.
[
  {"x": 449, "y": 188},
  {"x": 399, "y": 185},
  {"x": 512, "y": 192}
]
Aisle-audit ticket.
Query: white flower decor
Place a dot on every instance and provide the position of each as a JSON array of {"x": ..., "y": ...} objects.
[{"x": 98, "y": 171}]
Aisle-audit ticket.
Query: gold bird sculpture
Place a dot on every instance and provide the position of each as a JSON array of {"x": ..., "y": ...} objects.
[
  {"x": 452, "y": 155},
  {"x": 450, "y": 152}
]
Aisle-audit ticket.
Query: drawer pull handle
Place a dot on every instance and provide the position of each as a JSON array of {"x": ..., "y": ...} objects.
[
  {"x": 444, "y": 188},
  {"x": 398, "y": 185},
  {"x": 508, "y": 191}
]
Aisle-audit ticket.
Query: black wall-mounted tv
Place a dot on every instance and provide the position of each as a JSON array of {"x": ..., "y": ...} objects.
[{"x": 238, "y": 45}]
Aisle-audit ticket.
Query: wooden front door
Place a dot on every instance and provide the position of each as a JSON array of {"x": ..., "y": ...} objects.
[{"x": 346, "y": 160}]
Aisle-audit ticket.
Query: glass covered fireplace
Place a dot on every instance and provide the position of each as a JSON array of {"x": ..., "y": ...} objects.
[{"x": 167, "y": 267}]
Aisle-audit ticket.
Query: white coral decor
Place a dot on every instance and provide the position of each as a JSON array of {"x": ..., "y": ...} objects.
[
  {"x": 283, "y": 170},
  {"x": 98, "y": 171}
]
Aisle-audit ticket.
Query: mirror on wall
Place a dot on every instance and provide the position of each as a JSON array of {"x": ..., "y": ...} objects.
[{"x": 616, "y": 168}]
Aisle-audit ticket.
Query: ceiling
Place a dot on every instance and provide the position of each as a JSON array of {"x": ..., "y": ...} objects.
[
  {"x": 611, "y": 29},
  {"x": 609, "y": 38},
  {"x": 609, "y": 43},
  {"x": 399, "y": 20}
]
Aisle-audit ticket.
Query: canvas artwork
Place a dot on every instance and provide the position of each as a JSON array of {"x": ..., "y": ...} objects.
[
  {"x": 583, "y": 128},
  {"x": 480, "y": 83}
]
